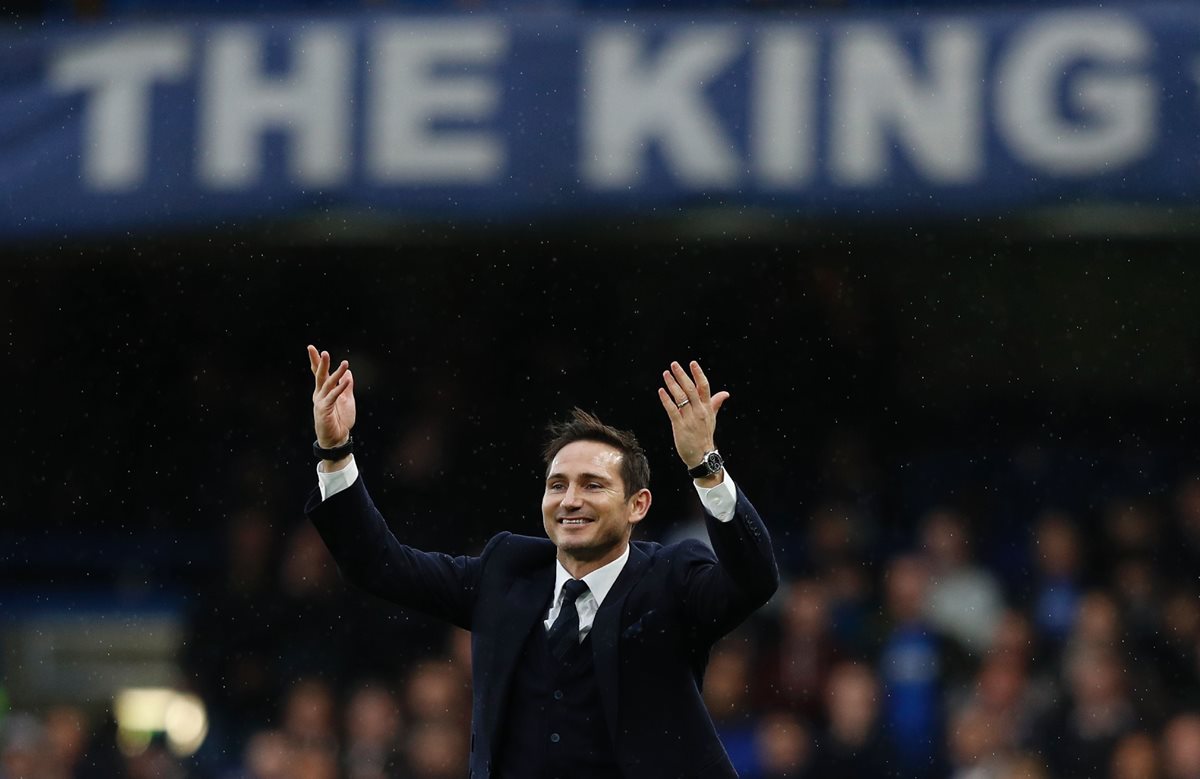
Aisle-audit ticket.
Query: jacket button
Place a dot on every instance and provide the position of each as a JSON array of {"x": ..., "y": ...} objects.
[
  {"x": 558, "y": 695},
  {"x": 554, "y": 737}
]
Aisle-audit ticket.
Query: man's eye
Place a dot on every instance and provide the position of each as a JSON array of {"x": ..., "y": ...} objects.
[
  {"x": 553, "y": 487},
  {"x": 595, "y": 485}
]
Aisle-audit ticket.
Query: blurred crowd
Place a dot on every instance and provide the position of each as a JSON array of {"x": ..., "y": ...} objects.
[{"x": 933, "y": 651}]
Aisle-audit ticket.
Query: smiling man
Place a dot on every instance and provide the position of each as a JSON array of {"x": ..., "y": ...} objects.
[{"x": 588, "y": 650}]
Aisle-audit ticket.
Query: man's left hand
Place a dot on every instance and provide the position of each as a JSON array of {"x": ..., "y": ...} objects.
[{"x": 692, "y": 408}]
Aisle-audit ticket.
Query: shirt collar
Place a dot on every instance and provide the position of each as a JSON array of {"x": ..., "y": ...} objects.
[{"x": 599, "y": 581}]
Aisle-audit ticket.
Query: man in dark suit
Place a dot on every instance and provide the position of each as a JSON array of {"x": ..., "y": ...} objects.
[{"x": 588, "y": 651}]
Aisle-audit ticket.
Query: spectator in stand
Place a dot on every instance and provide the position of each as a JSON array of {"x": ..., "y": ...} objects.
[
  {"x": 314, "y": 761},
  {"x": 438, "y": 690},
  {"x": 311, "y": 637},
  {"x": 309, "y": 722},
  {"x": 268, "y": 755},
  {"x": 1078, "y": 739},
  {"x": 838, "y": 544},
  {"x": 1173, "y": 656},
  {"x": 727, "y": 695},
  {"x": 1134, "y": 532},
  {"x": 1015, "y": 637},
  {"x": 1136, "y": 757},
  {"x": 851, "y": 605},
  {"x": 1131, "y": 529},
  {"x": 437, "y": 749},
  {"x": 1008, "y": 685},
  {"x": 1137, "y": 583},
  {"x": 230, "y": 652},
  {"x": 155, "y": 762},
  {"x": 22, "y": 747},
  {"x": 964, "y": 600},
  {"x": 917, "y": 664},
  {"x": 308, "y": 712},
  {"x": 801, "y": 651},
  {"x": 975, "y": 742},
  {"x": 1058, "y": 580},
  {"x": 1097, "y": 624},
  {"x": 837, "y": 532},
  {"x": 1181, "y": 747},
  {"x": 1012, "y": 703},
  {"x": 373, "y": 733},
  {"x": 1185, "y": 527},
  {"x": 66, "y": 736},
  {"x": 783, "y": 747},
  {"x": 852, "y": 744}
]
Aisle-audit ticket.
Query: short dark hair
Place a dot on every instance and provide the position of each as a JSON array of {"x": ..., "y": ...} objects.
[{"x": 584, "y": 426}]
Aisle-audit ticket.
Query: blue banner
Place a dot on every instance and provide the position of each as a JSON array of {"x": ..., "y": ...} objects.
[{"x": 201, "y": 123}]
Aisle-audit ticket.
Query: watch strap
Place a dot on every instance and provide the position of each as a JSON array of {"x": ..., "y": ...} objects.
[
  {"x": 336, "y": 453},
  {"x": 711, "y": 464}
]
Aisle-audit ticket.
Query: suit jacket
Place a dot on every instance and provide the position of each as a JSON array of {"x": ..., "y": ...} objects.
[{"x": 651, "y": 636}]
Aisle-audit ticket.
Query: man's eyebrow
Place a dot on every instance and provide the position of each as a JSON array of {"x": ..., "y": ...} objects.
[{"x": 586, "y": 475}]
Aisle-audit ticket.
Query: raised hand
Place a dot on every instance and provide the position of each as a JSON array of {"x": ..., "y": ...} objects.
[
  {"x": 333, "y": 399},
  {"x": 692, "y": 408}
]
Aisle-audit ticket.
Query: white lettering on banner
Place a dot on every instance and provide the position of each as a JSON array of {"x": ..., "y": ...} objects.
[
  {"x": 783, "y": 140},
  {"x": 876, "y": 96},
  {"x": 406, "y": 96},
  {"x": 310, "y": 105},
  {"x": 118, "y": 74},
  {"x": 629, "y": 104},
  {"x": 1072, "y": 94},
  {"x": 1115, "y": 103}
]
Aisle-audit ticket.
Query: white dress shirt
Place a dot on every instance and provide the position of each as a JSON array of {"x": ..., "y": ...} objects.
[
  {"x": 719, "y": 501},
  {"x": 599, "y": 582}
]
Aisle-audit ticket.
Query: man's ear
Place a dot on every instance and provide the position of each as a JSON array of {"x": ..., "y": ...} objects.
[{"x": 640, "y": 503}]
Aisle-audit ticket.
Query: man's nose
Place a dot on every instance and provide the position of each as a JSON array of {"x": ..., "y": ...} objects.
[{"x": 571, "y": 497}]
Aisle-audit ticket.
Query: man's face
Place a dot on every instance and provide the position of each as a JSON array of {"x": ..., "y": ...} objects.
[{"x": 584, "y": 509}]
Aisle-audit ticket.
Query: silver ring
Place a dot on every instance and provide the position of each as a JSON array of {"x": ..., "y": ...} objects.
[{"x": 684, "y": 403}]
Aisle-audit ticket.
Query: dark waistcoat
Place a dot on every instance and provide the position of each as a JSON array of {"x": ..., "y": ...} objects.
[{"x": 554, "y": 725}]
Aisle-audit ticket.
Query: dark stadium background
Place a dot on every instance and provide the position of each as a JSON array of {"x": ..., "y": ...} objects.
[{"x": 162, "y": 383}]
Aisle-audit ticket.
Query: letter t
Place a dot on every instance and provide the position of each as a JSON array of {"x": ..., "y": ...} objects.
[{"x": 117, "y": 74}]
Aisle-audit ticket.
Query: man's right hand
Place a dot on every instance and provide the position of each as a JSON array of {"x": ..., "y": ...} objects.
[{"x": 333, "y": 401}]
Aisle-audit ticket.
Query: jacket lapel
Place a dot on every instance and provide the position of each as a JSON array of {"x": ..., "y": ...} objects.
[
  {"x": 525, "y": 603},
  {"x": 607, "y": 628}
]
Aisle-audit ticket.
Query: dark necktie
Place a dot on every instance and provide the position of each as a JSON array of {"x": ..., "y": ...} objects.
[{"x": 564, "y": 633}]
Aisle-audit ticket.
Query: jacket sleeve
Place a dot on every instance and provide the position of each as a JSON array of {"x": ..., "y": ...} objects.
[
  {"x": 724, "y": 586},
  {"x": 369, "y": 556}
]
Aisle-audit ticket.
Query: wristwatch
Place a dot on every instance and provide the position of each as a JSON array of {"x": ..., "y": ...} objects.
[
  {"x": 336, "y": 453},
  {"x": 710, "y": 465}
]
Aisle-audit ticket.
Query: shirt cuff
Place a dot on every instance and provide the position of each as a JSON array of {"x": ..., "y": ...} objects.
[
  {"x": 331, "y": 484},
  {"x": 721, "y": 500}
]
